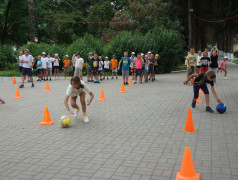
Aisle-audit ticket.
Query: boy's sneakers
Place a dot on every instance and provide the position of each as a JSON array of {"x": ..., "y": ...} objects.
[
  {"x": 127, "y": 83},
  {"x": 104, "y": 78},
  {"x": 107, "y": 79},
  {"x": 32, "y": 85},
  {"x": 208, "y": 109},
  {"x": 47, "y": 79},
  {"x": 225, "y": 77},
  {"x": 193, "y": 103},
  {"x": 116, "y": 77},
  {"x": 112, "y": 78},
  {"x": 21, "y": 86},
  {"x": 76, "y": 112},
  {"x": 38, "y": 80},
  {"x": 140, "y": 82},
  {"x": 85, "y": 119},
  {"x": 96, "y": 81},
  {"x": 100, "y": 79},
  {"x": 135, "y": 82}
]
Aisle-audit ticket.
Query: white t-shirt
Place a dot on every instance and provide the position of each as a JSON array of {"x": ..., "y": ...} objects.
[
  {"x": 49, "y": 60},
  {"x": 43, "y": 60},
  {"x": 106, "y": 64},
  {"x": 198, "y": 59},
  {"x": 79, "y": 62},
  {"x": 28, "y": 58},
  {"x": 20, "y": 58},
  {"x": 71, "y": 92},
  {"x": 56, "y": 63},
  {"x": 100, "y": 64}
]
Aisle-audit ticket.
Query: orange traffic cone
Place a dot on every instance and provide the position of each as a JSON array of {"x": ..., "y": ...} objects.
[
  {"x": 189, "y": 122},
  {"x": 47, "y": 88},
  {"x": 201, "y": 91},
  {"x": 102, "y": 97},
  {"x": 14, "y": 80},
  {"x": 198, "y": 100},
  {"x": 130, "y": 83},
  {"x": 123, "y": 90},
  {"x": 17, "y": 94},
  {"x": 46, "y": 118},
  {"x": 187, "y": 171}
]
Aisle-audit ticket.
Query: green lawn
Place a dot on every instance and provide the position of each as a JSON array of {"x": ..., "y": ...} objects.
[
  {"x": 235, "y": 61},
  {"x": 10, "y": 73}
]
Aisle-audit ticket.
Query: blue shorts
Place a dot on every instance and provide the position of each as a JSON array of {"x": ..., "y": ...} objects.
[
  {"x": 38, "y": 71},
  {"x": 106, "y": 70},
  {"x": 138, "y": 72},
  {"x": 26, "y": 71},
  {"x": 196, "y": 90},
  {"x": 66, "y": 69}
]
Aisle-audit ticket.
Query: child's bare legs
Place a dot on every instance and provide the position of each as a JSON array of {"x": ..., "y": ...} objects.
[
  {"x": 127, "y": 79},
  {"x": 116, "y": 74},
  {"x": 207, "y": 99},
  {"x": 141, "y": 77},
  {"x": 124, "y": 79},
  {"x": 135, "y": 78},
  {"x": 107, "y": 75},
  {"x": 83, "y": 103},
  {"x": 23, "y": 79}
]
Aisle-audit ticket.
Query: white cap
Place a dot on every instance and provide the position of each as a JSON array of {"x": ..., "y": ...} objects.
[
  {"x": 44, "y": 53},
  {"x": 66, "y": 55},
  {"x": 142, "y": 54},
  {"x": 225, "y": 57},
  {"x": 133, "y": 53},
  {"x": 106, "y": 57},
  {"x": 56, "y": 54},
  {"x": 149, "y": 52}
]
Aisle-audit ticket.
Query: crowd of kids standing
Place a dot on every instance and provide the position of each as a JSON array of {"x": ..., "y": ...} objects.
[{"x": 142, "y": 67}]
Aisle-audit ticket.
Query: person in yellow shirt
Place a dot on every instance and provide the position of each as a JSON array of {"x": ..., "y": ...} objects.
[
  {"x": 66, "y": 66},
  {"x": 114, "y": 63}
]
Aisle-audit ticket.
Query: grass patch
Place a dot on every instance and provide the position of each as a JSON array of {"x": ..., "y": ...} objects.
[
  {"x": 235, "y": 61},
  {"x": 180, "y": 67},
  {"x": 10, "y": 73}
]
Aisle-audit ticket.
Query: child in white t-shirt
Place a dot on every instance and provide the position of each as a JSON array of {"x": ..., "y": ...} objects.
[
  {"x": 77, "y": 88},
  {"x": 44, "y": 66},
  {"x": 50, "y": 61},
  {"x": 56, "y": 65},
  {"x": 106, "y": 67},
  {"x": 79, "y": 66}
]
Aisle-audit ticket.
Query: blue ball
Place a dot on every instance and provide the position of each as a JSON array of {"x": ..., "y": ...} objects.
[{"x": 221, "y": 108}]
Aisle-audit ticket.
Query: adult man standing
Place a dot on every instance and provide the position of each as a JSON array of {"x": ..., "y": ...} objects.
[{"x": 28, "y": 62}]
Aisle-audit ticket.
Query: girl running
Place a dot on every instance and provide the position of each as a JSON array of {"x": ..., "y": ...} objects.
[
  {"x": 77, "y": 88},
  {"x": 223, "y": 66},
  {"x": 200, "y": 82}
]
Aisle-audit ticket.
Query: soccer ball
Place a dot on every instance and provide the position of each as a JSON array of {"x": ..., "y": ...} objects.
[
  {"x": 64, "y": 121},
  {"x": 221, "y": 108}
]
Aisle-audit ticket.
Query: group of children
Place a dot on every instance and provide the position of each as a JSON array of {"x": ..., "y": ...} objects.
[{"x": 203, "y": 75}]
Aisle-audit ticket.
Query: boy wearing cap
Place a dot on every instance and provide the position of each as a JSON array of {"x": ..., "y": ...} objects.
[
  {"x": 89, "y": 66},
  {"x": 79, "y": 66},
  {"x": 28, "y": 62},
  {"x": 95, "y": 68},
  {"x": 66, "y": 66},
  {"x": 114, "y": 66},
  {"x": 44, "y": 66},
  {"x": 125, "y": 67},
  {"x": 133, "y": 65}
]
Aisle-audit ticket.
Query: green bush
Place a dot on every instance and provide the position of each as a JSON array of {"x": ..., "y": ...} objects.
[
  {"x": 236, "y": 53},
  {"x": 6, "y": 57}
]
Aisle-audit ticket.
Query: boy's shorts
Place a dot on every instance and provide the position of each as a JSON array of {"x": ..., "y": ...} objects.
[
  {"x": 204, "y": 69},
  {"x": 90, "y": 70},
  {"x": 95, "y": 71},
  {"x": 125, "y": 73},
  {"x": 56, "y": 67},
  {"x": 38, "y": 71},
  {"x": 191, "y": 71},
  {"x": 114, "y": 70},
  {"x": 20, "y": 68},
  {"x": 100, "y": 72},
  {"x": 66, "y": 69},
  {"x": 133, "y": 70},
  {"x": 106, "y": 70},
  {"x": 138, "y": 72},
  {"x": 151, "y": 70},
  {"x": 26, "y": 71},
  {"x": 78, "y": 71}
]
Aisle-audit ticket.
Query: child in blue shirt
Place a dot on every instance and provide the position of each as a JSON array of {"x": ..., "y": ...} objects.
[
  {"x": 125, "y": 67},
  {"x": 39, "y": 67}
]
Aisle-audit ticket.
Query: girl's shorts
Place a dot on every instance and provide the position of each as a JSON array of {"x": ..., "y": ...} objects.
[{"x": 204, "y": 69}]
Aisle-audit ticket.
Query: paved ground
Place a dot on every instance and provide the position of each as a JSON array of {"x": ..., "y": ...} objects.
[{"x": 137, "y": 135}]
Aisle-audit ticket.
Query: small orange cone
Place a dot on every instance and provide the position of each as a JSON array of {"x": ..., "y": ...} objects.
[
  {"x": 187, "y": 171},
  {"x": 198, "y": 100},
  {"x": 102, "y": 97},
  {"x": 130, "y": 83},
  {"x": 201, "y": 91},
  {"x": 189, "y": 122},
  {"x": 14, "y": 80},
  {"x": 123, "y": 90},
  {"x": 46, "y": 118},
  {"x": 47, "y": 88},
  {"x": 17, "y": 94}
]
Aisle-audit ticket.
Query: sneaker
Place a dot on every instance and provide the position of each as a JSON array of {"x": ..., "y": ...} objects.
[
  {"x": 50, "y": 79},
  {"x": 104, "y": 78},
  {"x": 2, "y": 101},
  {"x": 28, "y": 80},
  {"x": 76, "y": 112},
  {"x": 88, "y": 80},
  {"x": 225, "y": 77},
  {"x": 127, "y": 83},
  {"x": 85, "y": 119},
  {"x": 149, "y": 79},
  {"x": 32, "y": 85},
  {"x": 193, "y": 103},
  {"x": 100, "y": 79},
  {"x": 124, "y": 83},
  {"x": 38, "y": 80},
  {"x": 107, "y": 79},
  {"x": 135, "y": 82},
  {"x": 47, "y": 79},
  {"x": 140, "y": 82},
  {"x": 21, "y": 86},
  {"x": 116, "y": 77},
  {"x": 112, "y": 78},
  {"x": 208, "y": 109}
]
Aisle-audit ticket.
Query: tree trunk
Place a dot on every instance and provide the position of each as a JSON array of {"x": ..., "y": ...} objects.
[
  {"x": 31, "y": 19},
  {"x": 191, "y": 25},
  {"x": 4, "y": 31}
]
